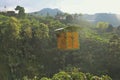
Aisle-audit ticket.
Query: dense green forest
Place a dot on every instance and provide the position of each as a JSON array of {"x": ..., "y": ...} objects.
[{"x": 28, "y": 48}]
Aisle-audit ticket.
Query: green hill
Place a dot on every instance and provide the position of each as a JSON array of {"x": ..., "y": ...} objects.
[{"x": 28, "y": 47}]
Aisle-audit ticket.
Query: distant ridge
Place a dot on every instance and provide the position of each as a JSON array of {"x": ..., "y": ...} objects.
[
  {"x": 113, "y": 19},
  {"x": 47, "y": 11}
]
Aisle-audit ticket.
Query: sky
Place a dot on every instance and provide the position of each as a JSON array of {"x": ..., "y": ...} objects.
[{"x": 69, "y": 6}]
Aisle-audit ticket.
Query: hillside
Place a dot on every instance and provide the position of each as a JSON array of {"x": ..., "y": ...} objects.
[{"x": 29, "y": 48}]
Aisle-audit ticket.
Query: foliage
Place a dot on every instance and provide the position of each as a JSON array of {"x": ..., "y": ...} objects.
[
  {"x": 102, "y": 26},
  {"x": 110, "y": 28},
  {"x": 45, "y": 78},
  {"x": 69, "y": 18},
  {"x": 62, "y": 76},
  {"x": 21, "y": 10},
  {"x": 72, "y": 76},
  {"x": 28, "y": 48}
]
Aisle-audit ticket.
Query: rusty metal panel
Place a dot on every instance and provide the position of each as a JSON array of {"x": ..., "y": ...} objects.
[
  {"x": 69, "y": 40},
  {"x": 62, "y": 40},
  {"x": 75, "y": 40}
]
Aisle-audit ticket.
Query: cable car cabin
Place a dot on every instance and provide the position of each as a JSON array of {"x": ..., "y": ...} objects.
[{"x": 67, "y": 38}]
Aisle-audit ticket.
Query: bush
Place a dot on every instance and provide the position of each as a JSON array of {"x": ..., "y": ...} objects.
[
  {"x": 73, "y": 75},
  {"x": 45, "y": 78},
  {"x": 62, "y": 76}
]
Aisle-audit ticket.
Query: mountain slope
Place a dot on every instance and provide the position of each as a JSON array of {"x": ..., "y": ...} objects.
[
  {"x": 47, "y": 11},
  {"x": 113, "y": 19}
]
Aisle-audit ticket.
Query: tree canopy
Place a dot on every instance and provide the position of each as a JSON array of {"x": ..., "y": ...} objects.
[{"x": 28, "y": 49}]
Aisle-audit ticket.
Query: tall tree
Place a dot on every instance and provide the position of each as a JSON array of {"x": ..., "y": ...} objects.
[
  {"x": 69, "y": 18},
  {"x": 118, "y": 30},
  {"x": 21, "y": 10},
  {"x": 110, "y": 28},
  {"x": 102, "y": 26},
  {"x": 10, "y": 30},
  {"x": 113, "y": 56}
]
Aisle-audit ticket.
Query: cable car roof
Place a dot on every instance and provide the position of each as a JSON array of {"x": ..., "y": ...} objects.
[{"x": 70, "y": 28}]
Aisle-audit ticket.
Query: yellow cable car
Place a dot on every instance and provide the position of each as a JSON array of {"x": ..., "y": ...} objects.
[{"x": 68, "y": 38}]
